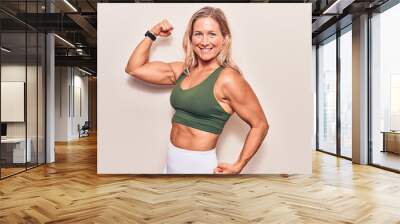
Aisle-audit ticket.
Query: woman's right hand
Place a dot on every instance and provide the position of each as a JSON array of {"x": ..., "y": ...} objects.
[{"x": 163, "y": 28}]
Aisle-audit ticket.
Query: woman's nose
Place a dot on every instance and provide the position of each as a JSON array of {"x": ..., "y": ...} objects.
[{"x": 204, "y": 41}]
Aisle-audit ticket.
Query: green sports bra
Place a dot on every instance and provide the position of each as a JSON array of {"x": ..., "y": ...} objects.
[{"x": 197, "y": 107}]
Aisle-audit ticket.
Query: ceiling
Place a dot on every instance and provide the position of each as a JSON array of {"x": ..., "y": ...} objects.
[{"x": 76, "y": 22}]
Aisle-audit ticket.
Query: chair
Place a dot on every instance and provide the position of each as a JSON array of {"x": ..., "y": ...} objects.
[{"x": 84, "y": 130}]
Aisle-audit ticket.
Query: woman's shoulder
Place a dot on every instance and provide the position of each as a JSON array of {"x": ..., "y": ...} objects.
[
  {"x": 230, "y": 71},
  {"x": 231, "y": 81},
  {"x": 230, "y": 75}
]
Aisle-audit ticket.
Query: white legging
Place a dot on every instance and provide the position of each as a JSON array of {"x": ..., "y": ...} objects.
[{"x": 184, "y": 161}]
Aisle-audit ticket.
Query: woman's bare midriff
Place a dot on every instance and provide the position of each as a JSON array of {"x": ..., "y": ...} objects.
[{"x": 192, "y": 139}]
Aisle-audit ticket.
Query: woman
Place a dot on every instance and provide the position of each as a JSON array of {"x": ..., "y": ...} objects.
[{"x": 209, "y": 88}]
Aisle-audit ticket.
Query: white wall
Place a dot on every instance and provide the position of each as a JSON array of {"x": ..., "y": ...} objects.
[
  {"x": 61, "y": 103},
  {"x": 68, "y": 80},
  {"x": 273, "y": 51}
]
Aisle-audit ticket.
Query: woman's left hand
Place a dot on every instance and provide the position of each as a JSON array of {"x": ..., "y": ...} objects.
[{"x": 225, "y": 168}]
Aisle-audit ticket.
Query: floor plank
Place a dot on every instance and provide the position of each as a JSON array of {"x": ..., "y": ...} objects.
[{"x": 70, "y": 191}]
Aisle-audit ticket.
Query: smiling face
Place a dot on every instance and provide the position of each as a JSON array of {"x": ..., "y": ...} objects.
[{"x": 207, "y": 39}]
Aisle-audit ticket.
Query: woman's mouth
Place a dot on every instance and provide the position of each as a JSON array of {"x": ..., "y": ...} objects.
[{"x": 205, "y": 50}]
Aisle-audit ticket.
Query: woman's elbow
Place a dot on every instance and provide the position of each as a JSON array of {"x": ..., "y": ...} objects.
[
  {"x": 261, "y": 125},
  {"x": 130, "y": 71},
  {"x": 265, "y": 126}
]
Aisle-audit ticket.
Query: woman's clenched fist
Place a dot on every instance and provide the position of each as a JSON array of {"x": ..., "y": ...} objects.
[{"x": 163, "y": 29}]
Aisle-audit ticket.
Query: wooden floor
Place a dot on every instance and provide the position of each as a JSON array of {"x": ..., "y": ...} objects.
[
  {"x": 70, "y": 191},
  {"x": 8, "y": 171},
  {"x": 5, "y": 172}
]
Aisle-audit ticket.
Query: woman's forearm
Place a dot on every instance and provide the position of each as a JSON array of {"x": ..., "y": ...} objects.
[
  {"x": 139, "y": 56},
  {"x": 252, "y": 143}
]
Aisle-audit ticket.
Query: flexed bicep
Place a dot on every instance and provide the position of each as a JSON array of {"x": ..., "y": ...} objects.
[{"x": 158, "y": 72}]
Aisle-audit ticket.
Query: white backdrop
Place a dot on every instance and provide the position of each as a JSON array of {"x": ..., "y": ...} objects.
[{"x": 271, "y": 45}]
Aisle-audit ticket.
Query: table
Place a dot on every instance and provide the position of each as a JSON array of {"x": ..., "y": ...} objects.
[
  {"x": 15, "y": 148},
  {"x": 391, "y": 141}
]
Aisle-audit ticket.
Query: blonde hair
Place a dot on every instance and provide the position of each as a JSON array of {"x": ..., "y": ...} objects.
[{"x": 224, "y": 58}]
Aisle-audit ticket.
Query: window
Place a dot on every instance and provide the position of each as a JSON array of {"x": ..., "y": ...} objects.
[
  {"x": 385, "y": 88},
  {"x": 327, "y": 96},
  {"x": 346, "y": 92}
]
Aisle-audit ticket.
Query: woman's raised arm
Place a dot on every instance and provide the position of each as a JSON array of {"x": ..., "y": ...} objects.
[{"x": 156, "y": 72}]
